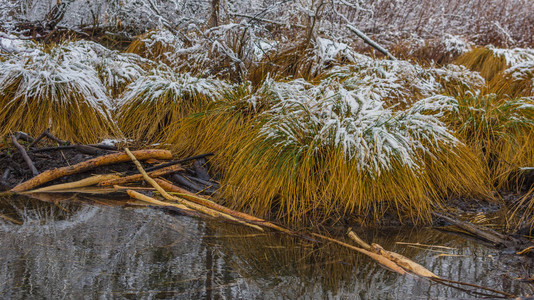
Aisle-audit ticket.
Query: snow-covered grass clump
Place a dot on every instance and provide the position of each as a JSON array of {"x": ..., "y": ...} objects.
[
  {"x": 323, "y": 150},
  {"x": 115, "y": 69},
  {"x": 158, "y": 45},
  {"x": 152, "y": 104},
  {"x": 400, "y": 83},
  {"x": 490, "y": 61},
  {"x": 46, "y": 89}
]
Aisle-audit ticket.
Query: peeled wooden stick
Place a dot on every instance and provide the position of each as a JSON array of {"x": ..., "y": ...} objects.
[
  {"x": 76, "y": 184},
  {"x": 194, "y": 206},
  {"x": 377, "y": 257},
  {"x": 404, "y": 262},
  {"x": 208, "y": 203},
  {"x": 145, "y": 198},
  {"x": 139, "y": 177},
  {"x": 52, "y": 174},
  {"x": 358, "y": 240}
]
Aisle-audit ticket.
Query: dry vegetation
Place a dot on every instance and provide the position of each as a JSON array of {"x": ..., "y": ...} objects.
[{"x": 304, "y": 127}]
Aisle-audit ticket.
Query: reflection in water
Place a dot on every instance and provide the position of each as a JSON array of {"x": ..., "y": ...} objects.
[{"x": 76, "y": 250}]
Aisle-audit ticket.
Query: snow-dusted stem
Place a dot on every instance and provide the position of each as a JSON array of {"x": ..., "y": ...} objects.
[{"x": 371, "y": 42}]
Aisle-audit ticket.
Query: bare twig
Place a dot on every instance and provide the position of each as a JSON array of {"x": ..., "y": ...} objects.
[{"x": 27, "y": 159}]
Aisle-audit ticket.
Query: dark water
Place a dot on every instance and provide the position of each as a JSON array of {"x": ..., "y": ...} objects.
[{"x": 74, "y": 250}]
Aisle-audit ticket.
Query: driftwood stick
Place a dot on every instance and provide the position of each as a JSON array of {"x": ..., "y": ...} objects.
[
  {"x": 182, "y": 201},
  {"x": 179, "y": 161},
  {"x": 55, "y": 139},
  {"x": 24, "y": 136},
  {"x": 52, "y": 174},
  {"x": 44, "y": 149},
  {"x": 76, "y": 184},
  {"x": 358, "y": 240},
  {"x": 27, "y": 159},
  {"x": 139, "y": 177}
]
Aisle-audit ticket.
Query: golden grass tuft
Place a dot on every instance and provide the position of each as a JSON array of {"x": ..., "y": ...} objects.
[
  {"x": 153, "y": 104},
  {"x": 302, "y": 186},
  {"x": 302, "y": 164},
  {"x": 220, "y": 128},
  {"x": 514, "y": 82},
  {"x": 483, "y": 60},
  {"x": 44, "y": 91}
]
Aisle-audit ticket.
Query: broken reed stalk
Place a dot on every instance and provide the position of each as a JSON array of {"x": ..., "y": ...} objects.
[
  {"x": 52, "y": 174},
  {"x": 208, "y": 203},
  {"x": 192, "y": 205},
  {"x": 377, "y": 257},
  {"x": 24, "y": 154},
  {"x": 76, "y": 184},
  {"x": 139, "y": 177}
]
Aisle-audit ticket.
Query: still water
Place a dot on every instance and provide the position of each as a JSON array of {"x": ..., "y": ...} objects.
[{"x": 74, "y": 249}]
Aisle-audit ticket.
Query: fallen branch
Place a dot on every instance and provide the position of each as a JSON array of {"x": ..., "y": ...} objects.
[
  {"x": 139, "y": 177},
  {"x": 27, "y": 159},
  {"x": 208, "y": 203},
  {"x": 370, "y": 42},
  {"x": 194, "y": 206},
  {"x": 52, "y": 174},
  {"x": 76, "y": 184},
  {"x": 179, "y": 161},
  {"x": 377, "y": 257},
  {"x": 479, "y": 231}
]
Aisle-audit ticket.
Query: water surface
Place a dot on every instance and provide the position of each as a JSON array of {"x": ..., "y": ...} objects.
[{"x": 73, "y": 249}]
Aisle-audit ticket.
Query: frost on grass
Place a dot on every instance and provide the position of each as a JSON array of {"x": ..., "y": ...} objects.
[{"x": 329, "y": 115}]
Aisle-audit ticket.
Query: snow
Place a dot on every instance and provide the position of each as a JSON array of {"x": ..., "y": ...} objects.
[
  {"x": 164, "y": 81},
  {"x": 44, "y": 74},
  {"x": 329, "y": 115}
]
